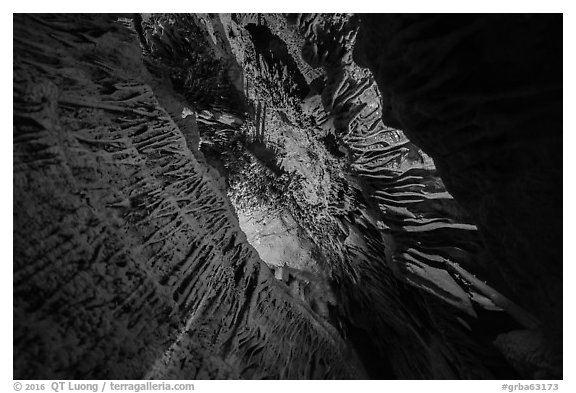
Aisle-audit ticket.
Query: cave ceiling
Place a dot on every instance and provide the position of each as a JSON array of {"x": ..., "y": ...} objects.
[{"x": 287, "y": 196}]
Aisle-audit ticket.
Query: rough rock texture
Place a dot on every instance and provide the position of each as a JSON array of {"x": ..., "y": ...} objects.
[
  {"x": 134, "y": 162},
  {"x": 369, "y": 200},
  {"x": 482, "y": 95},
  {"x": 128, "y": 259}
]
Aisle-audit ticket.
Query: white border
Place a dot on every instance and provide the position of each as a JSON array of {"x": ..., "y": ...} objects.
[{"x": 293, "y": 6}]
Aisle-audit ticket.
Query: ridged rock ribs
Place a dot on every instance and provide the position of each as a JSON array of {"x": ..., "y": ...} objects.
[
  {"x": 128, "y": 261},
  {"x": 130, "y": 162}
]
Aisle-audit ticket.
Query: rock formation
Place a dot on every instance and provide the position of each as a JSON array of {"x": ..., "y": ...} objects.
[
  {"x": 483, "y": 97},
  {"x": 234, "y": 196}
]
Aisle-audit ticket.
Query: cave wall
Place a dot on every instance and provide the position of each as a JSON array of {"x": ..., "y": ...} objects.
[
  {"x": 128, "y": 258},
  {"x": 482, "y": 95},
  {"x": 402, "y": 254},
  {"x": 397, "y": 251},
  {"x": 137, "y": 137}
]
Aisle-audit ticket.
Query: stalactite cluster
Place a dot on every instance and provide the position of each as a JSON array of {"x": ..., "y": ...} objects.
[{"x": 149, "y": 148}]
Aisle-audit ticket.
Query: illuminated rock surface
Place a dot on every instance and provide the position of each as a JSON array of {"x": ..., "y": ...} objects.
[{"x": 226, "y": 196}]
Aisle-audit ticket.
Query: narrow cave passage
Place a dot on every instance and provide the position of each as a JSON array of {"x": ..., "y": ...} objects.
[{"x": 267, "y": 196}]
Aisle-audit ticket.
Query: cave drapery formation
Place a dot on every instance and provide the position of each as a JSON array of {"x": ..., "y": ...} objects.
[{"x": 287, "y": 196}]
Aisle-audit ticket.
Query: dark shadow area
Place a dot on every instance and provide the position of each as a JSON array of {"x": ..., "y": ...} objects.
[
  {"x": 482, "y": 95},
  {"x": 276, "y": 55},
  {"x": 266, "y": 155}
]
